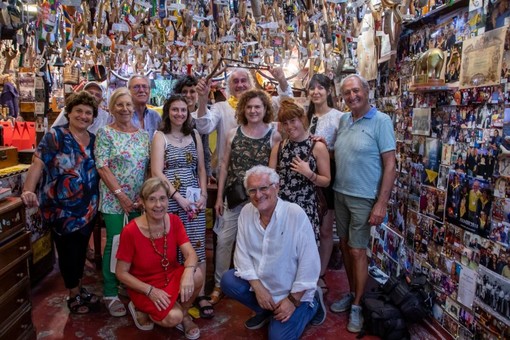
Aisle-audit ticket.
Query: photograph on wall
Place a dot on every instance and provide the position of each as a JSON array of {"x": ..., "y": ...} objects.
[
  {"x": 421, "y": 121},
  {"x": 501, "y": 209},
  {"x": 453, "y": 63},
  {"x": 481, "y": 59},
  {"x": 397, "y": 211},
  {"x": 498, "y": 14},
  {"x": 432, "y": 202},
  {"x": 469, "y": 203},
  {"x": 442, "y": 180},
  {"x": 391, "y": 244},
  {"x": 499, "y": 233},
  {"x": 467, "y": 320},
  {"x": 493, "y": 294},
  {"x": 489, "y": 326},
  {"x": 26, "y": 87},
  {"x": 452, "y": 308}
]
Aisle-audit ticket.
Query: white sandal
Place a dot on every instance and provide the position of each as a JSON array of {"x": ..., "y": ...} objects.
[{"x": 115, "y": 306}]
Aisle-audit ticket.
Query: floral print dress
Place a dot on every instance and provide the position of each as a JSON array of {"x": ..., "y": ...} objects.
[
  {"x": 295, "y": 187},
  {"x": 126, "y": 154}
]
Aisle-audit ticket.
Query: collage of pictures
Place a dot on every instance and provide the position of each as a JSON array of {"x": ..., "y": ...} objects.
[{"x": 449, "y": 213}]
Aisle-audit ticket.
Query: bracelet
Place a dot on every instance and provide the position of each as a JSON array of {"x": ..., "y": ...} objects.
[
  {"x": 292, "y": 299},
  {"x": 149, "y": 291},
  {"x": 203, "y": 195},
  {"x": 311, "y": 176},
  {"x": 117, "y": 191},
  {"x": 194, "y": 267},
  {"x": 172, "y": 195}
]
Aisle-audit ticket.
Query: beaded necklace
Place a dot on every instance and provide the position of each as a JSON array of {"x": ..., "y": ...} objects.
[{"x": 164, "y": 259}]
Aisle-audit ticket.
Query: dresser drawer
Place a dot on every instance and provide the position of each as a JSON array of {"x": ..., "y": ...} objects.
[
  {"x": 15, "y": 301},
  {"x": 14, "y": 252},
  {"x": 20, "y": 327},
  {"x": 13, "y": 277},
  {"x": 12, "y": 217}
]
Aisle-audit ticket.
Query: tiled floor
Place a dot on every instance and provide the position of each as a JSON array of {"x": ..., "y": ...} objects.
[{"x": 53, "y": 321}]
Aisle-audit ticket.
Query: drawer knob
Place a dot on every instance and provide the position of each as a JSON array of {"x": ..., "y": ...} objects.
[
  {"x": 23, "y": 248},
  {"x": 20, "y": 301},
  {"x": 20, "y": 275}
]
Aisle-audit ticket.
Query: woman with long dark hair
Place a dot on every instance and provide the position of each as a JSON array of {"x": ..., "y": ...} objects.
[
  {"x": 177, "y": 158},
  {"x": 324, "y": 121}
]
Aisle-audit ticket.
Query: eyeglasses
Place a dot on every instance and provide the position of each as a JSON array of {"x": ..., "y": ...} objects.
[
  {"x": 154, "y": 200},
  {"x": 137, "y": 87},
  {"x": 263, "y": 190}
]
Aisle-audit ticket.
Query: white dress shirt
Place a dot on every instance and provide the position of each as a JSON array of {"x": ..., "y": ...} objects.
[{"x": 284, "y": 256}]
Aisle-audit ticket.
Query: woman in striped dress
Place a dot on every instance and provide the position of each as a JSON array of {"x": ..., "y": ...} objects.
[{"x": 177, "y": 157}]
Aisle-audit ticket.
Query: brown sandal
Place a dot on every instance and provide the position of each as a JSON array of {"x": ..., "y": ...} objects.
[{"x": 216, "y": 295}]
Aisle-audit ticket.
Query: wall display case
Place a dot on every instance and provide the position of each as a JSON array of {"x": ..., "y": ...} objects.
[{"x": 449, "y": 212}]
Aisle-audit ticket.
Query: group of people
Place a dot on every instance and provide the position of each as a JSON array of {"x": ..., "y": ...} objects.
[{"x": 147, "y": 174}]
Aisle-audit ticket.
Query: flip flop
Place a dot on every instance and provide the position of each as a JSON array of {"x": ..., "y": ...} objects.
[{"x": 134, "y": 314}]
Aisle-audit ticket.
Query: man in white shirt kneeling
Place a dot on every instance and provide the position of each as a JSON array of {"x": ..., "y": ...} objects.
[{"x": 276, "y": 261}]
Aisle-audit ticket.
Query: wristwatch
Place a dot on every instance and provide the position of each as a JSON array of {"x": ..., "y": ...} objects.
[{"x": 295, "y": 302}]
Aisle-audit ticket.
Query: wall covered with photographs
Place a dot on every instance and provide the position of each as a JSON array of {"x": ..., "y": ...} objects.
[{"x": 449, "y": 214}]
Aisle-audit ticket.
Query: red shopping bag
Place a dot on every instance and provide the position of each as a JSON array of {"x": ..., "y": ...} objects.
[
  {"x": 23, "y": 136},
  {"x": 8, "y": 131}
]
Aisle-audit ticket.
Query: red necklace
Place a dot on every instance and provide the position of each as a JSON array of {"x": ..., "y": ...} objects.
[{"x": 164, "y": 259}]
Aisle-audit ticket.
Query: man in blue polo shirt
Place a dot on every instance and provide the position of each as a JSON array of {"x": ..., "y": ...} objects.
[{"x": 365, "y": 161}]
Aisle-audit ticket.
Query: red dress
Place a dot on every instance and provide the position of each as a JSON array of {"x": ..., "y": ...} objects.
[{"x": 135, "y": 248}]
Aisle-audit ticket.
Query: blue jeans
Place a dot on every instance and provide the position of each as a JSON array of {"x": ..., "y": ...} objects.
[{"x": 239, "y": 289}]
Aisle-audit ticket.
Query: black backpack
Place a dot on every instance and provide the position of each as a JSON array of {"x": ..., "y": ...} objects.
[
  {"x": 412, "y": 296},
  {"x": 382, "y": 318}
]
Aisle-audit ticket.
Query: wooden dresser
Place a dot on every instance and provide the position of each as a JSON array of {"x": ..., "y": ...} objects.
[{"x": 15, "y": 249}]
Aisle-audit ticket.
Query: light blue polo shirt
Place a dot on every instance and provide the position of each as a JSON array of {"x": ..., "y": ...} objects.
[{"x": 358, "y": 150}]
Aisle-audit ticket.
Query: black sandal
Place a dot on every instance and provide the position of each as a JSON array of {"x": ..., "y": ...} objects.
[
  {"x": 91, "y": 300},
  {"x": 204, "y": 309},
  {"x": 77, "y": 305}
]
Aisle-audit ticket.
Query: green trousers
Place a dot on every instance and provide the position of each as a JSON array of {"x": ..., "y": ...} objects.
[{"x": 114, "y": 224}]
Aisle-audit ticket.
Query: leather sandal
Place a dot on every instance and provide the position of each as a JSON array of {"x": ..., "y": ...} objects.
[
  {"x": 207, "y": 311},
  {"x": 115, "y": 306},
  {"x": 77, "y": 305},
  {"x": 215, "y": 296}
]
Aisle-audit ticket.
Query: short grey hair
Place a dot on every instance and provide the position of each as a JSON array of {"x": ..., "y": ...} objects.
[
  {"x": 137, "y": 76},
  {"x": 363, "y": 81},
  {"x": 261, "y": 170},
  {"x": 239, "y": 70}
]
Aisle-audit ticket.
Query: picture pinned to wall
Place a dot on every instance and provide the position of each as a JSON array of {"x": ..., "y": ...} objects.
[
  {"x": 432, "y": 202},
  {"x": 469, "y": 203},
  {"x": 421, "y": 121},
  {"x": 492, "y": 327},
  {"x": 392, "y": 242},
  {"x": 481, "y": 59},
  {"x": 492, "y": 292}
]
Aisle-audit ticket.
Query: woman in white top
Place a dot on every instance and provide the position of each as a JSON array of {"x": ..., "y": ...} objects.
[{"x": 324, "y": 121}]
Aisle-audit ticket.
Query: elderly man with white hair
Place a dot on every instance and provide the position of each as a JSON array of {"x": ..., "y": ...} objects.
[{"x": 276, "y": 261}]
